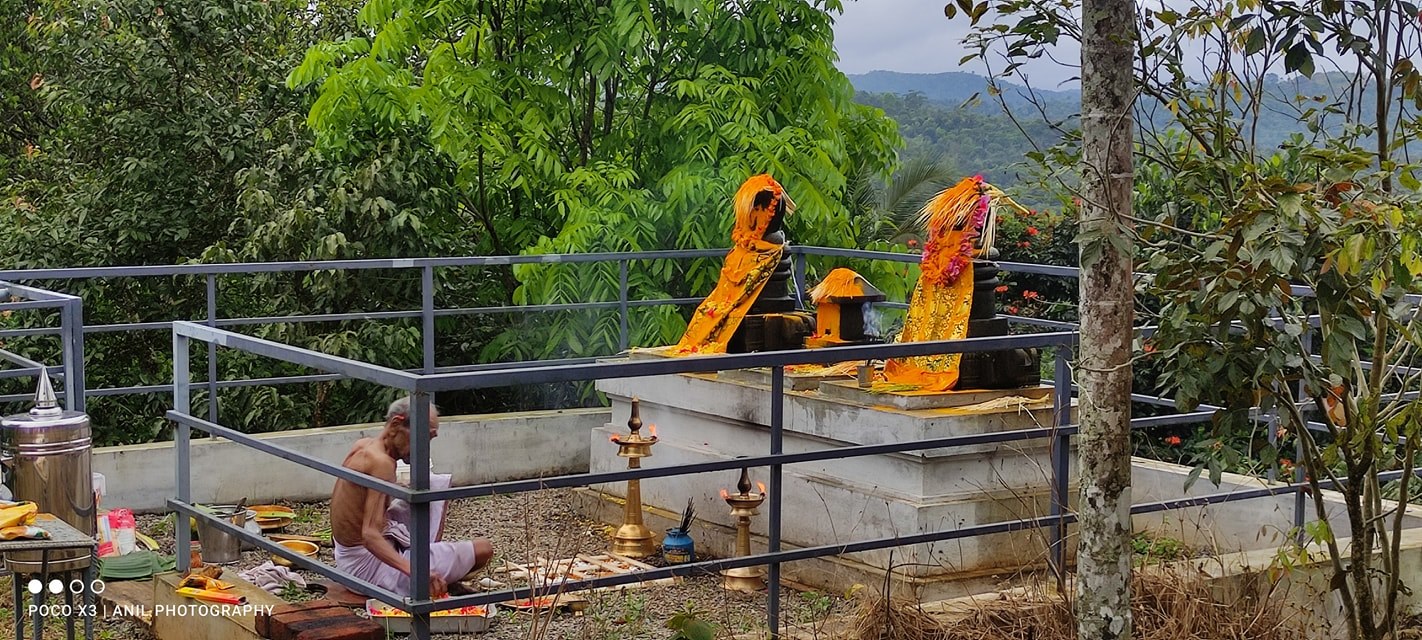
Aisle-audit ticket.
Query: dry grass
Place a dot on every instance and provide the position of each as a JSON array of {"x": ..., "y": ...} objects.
[{"x": 1166, "y": 605}]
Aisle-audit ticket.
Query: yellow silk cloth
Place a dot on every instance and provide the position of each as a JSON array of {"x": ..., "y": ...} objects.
[
  {"x": 937, "y": 311},
  {"x": 747, "y": 268},
  {"x": 943, "y": 298}
]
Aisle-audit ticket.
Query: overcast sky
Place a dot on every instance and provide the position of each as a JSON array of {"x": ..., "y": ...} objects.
[{"x": 914, "y": 36}]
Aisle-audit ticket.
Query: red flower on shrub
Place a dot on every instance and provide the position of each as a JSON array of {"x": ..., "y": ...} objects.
[
  {"x": 1030, "y": 295},
  {"x": 1002, "y": 288},
  {"x": 1012, "y": 309},
  {"x": 1032, "y": 231},
  {"x": 1173, "y": 441},
  {"x": 1024, "y": 244},
  {"x": 911, "y": 243}
]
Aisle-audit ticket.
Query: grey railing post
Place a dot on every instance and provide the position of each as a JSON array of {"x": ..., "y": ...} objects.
[
  {"x": 420, "y": 526},
  {"x": 427, "y": 328},
  {"x": 211, "y": 349},
  {"x": 182, "y": 401},
  {"x": 72, "y": 330},
  {"x": 623, "y": 338},
  {"x": 1300, "y": 502},
  {"x": 777, "y": 432},
  {"x": 1061, "y": 463},
  {"x": 798, "y": 262}
]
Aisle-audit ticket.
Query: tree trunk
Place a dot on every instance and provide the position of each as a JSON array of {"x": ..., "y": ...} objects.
[{"x": 1103, "y": 603}]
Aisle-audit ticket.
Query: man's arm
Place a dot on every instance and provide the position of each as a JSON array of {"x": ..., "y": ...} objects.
[{"x": 372, "y": 522}]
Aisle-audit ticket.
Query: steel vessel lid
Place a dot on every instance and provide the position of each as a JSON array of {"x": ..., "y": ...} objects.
[{"x": 46, "y": 412}]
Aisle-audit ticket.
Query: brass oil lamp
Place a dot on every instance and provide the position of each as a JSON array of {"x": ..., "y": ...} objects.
[
  {"x": 633, "y": 539},
  {"x": 743, "y": 506}
]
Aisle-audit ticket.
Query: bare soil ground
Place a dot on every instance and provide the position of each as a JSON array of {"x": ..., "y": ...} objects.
[{"x": 543, "y": 524}]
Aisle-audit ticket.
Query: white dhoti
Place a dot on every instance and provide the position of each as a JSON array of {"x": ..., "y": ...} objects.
[{"x": 450, "y": 560}]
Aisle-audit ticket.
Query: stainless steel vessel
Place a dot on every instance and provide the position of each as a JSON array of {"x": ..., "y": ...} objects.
[{"x": 47, "y": 454}]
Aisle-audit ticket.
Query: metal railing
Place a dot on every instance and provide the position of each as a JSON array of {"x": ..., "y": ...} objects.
[
  {"x": 73, "y": 332},
  {"x": 71, "y": 337},
  {"x": 213, "y": 331},
  {"x": 419, "y": 494}
]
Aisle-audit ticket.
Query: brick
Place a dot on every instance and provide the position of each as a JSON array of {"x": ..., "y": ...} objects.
[
  {"x": 347, "y": 627},
  {"x": 274, "y": 625}
]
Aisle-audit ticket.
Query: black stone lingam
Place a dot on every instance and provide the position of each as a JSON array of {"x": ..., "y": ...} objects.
[
  {"x": 775, "y": 296},
  {"x": 1008, "y": 369},
  {"x": 773, "y": 324}
]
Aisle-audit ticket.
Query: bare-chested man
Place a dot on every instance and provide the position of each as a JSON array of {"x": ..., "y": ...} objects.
[{"x": 372, "y": 535}]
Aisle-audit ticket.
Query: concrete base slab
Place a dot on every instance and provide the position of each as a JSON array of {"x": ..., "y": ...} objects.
[
  {"x": 914, "y": 400},
  {"x": 832, "y": 574},
  {"x": 793, "y": 381}
]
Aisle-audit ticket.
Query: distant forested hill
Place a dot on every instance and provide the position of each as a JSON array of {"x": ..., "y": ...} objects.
[
  {"x": 955, "y": 88},
  {"x": 938, "y": 114},
  {"x": 971, "y": 140}
]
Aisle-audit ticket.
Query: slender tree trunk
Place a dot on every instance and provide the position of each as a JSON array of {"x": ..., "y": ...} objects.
[{"x": 1107, "y": 315}]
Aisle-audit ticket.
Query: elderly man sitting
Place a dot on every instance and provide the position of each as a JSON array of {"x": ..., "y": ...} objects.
[{"x": 371, "y": 532}]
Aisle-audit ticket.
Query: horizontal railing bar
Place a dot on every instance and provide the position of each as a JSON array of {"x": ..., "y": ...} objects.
[
  {"x": 316, "y": 377},
  {"x": 862, "y": 254},
  {"x": 129, "y": 326},
  {"x": 297, "y": 355},
  {"x": 242, "y": 268},
  {"x": 353, "y": 583},
  {"x": 33, "y": 293},
  {"x": 836, "y": 453},
  {"x": 24, "y": 372},
  {"x": 642, "y": 473},
  {"x": 701, "y": 364},
  {"x": 30, "y": 304},
  {"x": 388, "y": 488},
  {"x": 18, "y": 359},
  {"x": 654, "y": 302},
  {"x": 26, "y": 333},
  {"x": 390, "y": 315},
  {"x": 809, "y": 553},
  {"x": 1039, "y": 322}
]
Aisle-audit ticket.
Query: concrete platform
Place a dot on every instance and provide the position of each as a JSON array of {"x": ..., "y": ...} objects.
[
  {"x": 915, "y": 400},
  {"x": 833, "y": 573},
  {"x": 708, "y": 417}
]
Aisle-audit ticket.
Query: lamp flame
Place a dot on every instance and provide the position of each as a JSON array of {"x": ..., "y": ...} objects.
[
  {"x": 762, "y": 487},
  {"x": 652, "y": 429},
  {"x": 612, "y": 437},
  {"x": 724, "y": 494}
]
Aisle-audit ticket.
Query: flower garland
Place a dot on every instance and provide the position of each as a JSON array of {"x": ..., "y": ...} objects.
[{"x": 941, "y": 264}]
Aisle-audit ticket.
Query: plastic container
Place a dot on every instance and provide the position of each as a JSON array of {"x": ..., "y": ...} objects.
[
  {"x": 124, "y": 530},
  {"x": 399, "y": 622},
  {"x": 101, "y": 488},
  {"x": 678, "y": 547}
]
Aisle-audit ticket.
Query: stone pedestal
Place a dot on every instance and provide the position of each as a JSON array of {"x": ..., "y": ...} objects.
[{"x": 703, "y": 417}]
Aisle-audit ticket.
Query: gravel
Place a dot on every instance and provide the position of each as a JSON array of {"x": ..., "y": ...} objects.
[{"x": 544, "y": 524}]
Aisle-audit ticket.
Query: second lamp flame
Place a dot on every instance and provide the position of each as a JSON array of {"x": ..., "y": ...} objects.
[
  {"x": 652, "y": 429},
  {"x": 762, "y": 487},
  {"x": 724, "y": 494}
]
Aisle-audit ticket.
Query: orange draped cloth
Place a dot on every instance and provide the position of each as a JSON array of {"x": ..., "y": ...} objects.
[
  {"x": 943, "y": 297},
  {"x": 748, "y": 266}
]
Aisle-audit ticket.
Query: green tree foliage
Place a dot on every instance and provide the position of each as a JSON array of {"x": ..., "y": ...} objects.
[
  {"x": 1230, "y": 223},
  {"x": 164, "y": 134},
  {"x": 614, "y": 125}
]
